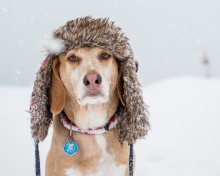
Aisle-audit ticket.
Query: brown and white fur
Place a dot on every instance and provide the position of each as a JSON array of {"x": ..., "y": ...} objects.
[{"x": 98, "y": 155}]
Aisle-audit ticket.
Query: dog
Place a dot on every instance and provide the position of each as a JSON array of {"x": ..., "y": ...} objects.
[{"x": 88, "y": 88}]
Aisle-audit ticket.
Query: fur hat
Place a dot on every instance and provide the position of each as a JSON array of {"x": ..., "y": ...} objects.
[{"x": 133, "y": 120}]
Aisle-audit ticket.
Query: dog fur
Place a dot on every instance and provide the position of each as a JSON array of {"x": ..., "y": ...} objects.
[{"x": 59, "y": 87}]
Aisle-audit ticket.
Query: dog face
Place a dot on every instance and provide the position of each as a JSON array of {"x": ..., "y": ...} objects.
[{"x": 89, "y": 74}]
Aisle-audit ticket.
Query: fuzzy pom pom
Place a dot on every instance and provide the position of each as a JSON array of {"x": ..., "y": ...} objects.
[{"x": 53, "y": 45}]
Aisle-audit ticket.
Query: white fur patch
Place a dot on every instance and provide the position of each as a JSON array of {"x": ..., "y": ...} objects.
[
  {"x": 53, "y": 45},
  {"x": 107, "y": 164},
  {"x": 94, "y": 118},
  {"x": 73, "y": 172}
]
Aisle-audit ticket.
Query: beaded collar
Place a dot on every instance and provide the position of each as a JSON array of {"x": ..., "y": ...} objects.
[{"x": 99, "y": 130}]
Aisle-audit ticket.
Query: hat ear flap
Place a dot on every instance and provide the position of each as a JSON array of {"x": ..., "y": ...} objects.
[
  {"x": 57, "y": 90},
  {"x": 133, "y": 122},
  {"x": 39, "y": 108},
  {"x": 120, "y": 87}
]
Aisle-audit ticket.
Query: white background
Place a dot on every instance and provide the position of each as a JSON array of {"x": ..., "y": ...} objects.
[{"x": 169, "y": 37}]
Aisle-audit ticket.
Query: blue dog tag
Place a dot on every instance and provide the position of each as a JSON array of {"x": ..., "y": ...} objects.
[{"x": 70, "y": 148}]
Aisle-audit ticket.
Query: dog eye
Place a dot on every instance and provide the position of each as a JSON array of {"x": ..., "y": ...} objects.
[
  {"x": 105, "y": 56},
  {"x": 73, "y": 59}
]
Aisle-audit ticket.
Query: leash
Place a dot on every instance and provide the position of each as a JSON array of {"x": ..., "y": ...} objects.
[
  {"x": 131, "y": 160},
  {"x": 37, "y": 161}
]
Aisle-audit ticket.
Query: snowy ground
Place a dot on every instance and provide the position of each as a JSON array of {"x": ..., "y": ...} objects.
[{"x": 184, "y": 140}]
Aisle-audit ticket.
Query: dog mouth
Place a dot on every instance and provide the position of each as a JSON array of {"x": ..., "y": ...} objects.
[{"x": 93, "y": 94}]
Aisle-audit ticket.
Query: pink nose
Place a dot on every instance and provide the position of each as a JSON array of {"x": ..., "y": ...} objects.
[{"x": 92, "y": 81}]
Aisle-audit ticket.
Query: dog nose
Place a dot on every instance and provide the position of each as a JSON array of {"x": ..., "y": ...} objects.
[{"x": 92, "y": 81}]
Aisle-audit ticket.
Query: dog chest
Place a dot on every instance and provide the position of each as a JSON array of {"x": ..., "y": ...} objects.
[{"x": 107, "y": 164}]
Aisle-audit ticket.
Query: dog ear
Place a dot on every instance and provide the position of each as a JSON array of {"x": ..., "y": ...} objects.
[
  {"x": 133, "y": 122},
  {"x": 120, "y": 87},
  {"x": 57, "y": 90}
]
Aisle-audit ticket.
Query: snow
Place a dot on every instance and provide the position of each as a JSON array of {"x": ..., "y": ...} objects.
[
  {"x": 53, "y": 45},
  {"x": 4, "y": 9},
  {"x": 183, "y": 141},
  {"x": 185, "y": 120}
]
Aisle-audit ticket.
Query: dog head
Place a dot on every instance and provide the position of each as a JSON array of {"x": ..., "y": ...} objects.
[
  {"x": 87, "y": 74},
  {"x": 91, "y": 49}
]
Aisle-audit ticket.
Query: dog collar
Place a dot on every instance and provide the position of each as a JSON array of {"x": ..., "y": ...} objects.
[{"x": 99, "y": 130}]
